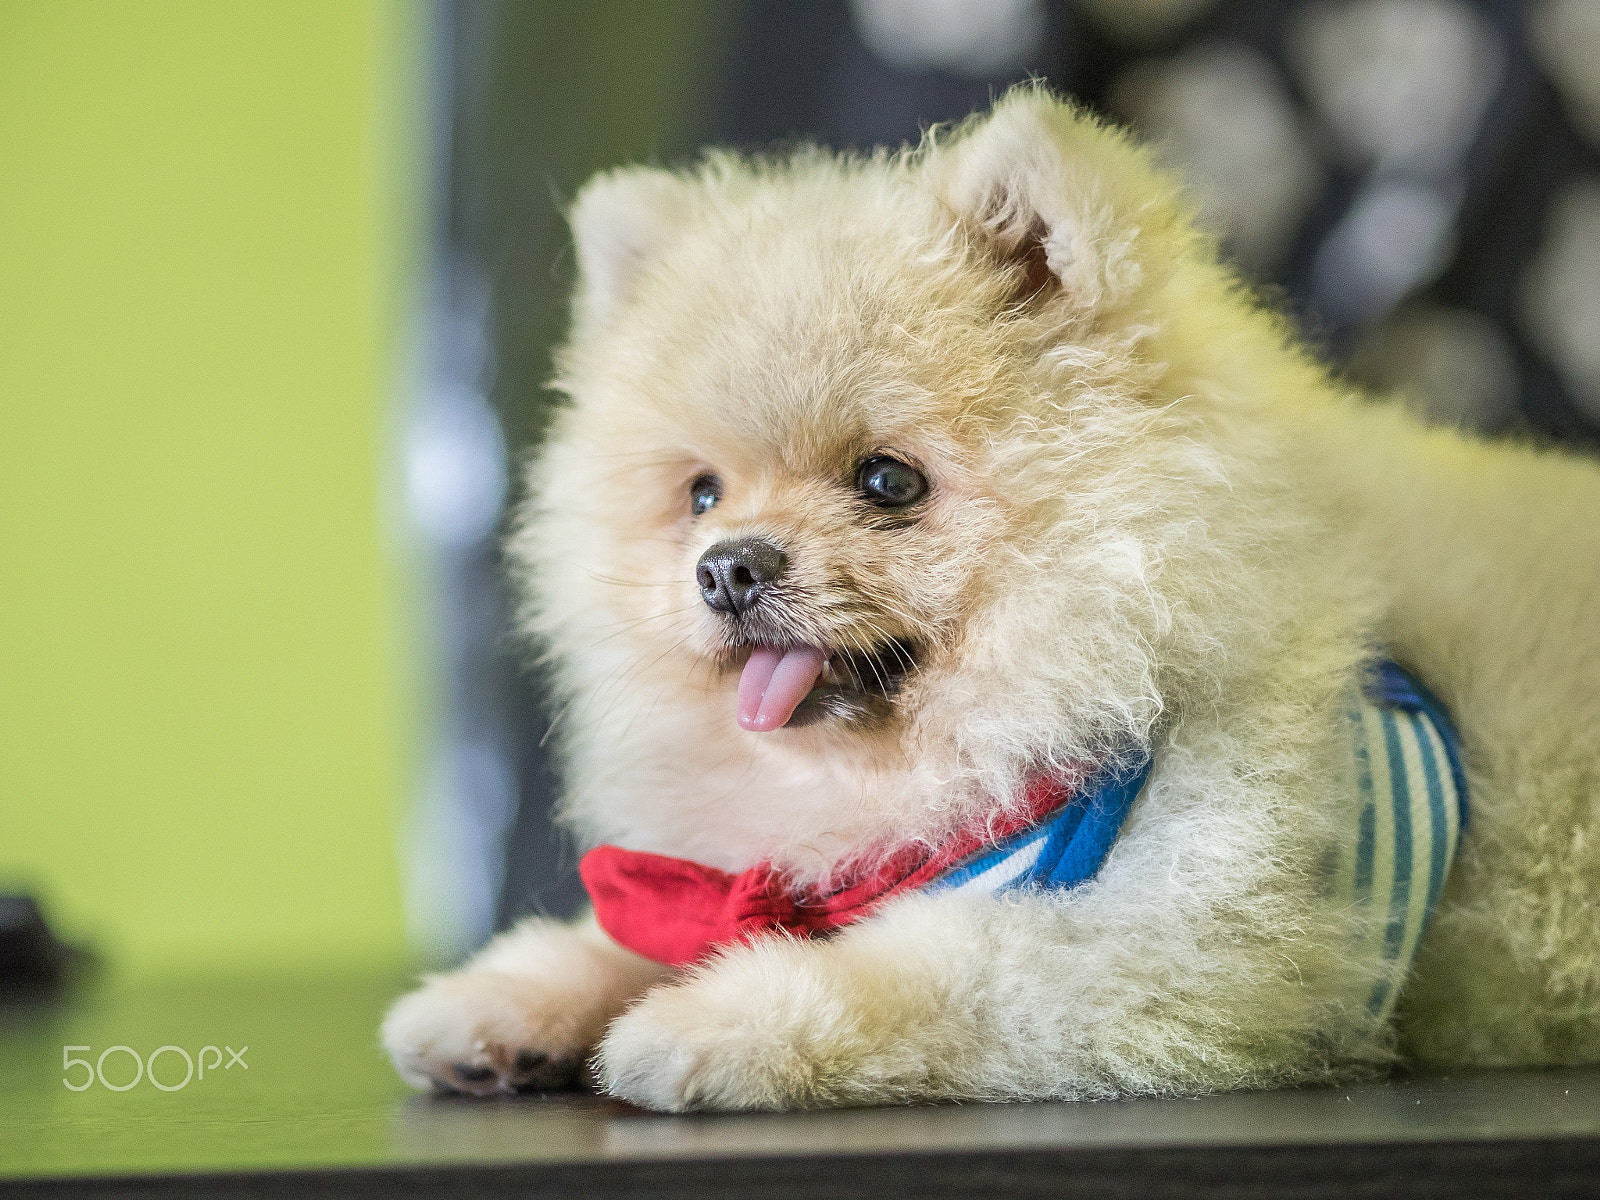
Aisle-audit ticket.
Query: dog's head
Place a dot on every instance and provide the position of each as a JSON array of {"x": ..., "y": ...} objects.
[{"x": 878, "y": 447}]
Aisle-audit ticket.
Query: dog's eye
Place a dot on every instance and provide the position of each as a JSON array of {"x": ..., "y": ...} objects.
[
  {"x": 890, "y": 483},
  {"x": 705, "y": 491}
]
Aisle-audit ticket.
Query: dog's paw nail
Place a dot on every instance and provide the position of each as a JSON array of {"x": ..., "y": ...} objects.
[{"x": 473, "y": 1075}]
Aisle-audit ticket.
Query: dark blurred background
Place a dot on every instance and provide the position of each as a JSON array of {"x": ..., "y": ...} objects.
[{"x": 1415, "y": 181}]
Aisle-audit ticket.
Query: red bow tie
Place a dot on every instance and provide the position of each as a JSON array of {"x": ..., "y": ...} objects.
[{"x": 677, "y": 911}]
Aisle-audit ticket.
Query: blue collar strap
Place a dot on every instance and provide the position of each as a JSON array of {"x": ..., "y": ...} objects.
[{"x": 1063, "y": 850}]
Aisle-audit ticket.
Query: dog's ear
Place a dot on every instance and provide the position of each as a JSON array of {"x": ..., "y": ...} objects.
[
  {"x": 1069, "y": 205},
  {"x": 620, "y": 220}
]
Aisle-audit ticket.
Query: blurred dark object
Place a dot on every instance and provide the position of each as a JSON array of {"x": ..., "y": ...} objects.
[
  {"x": 34, "y": 963},
  {"x": 855, "y": 76}
]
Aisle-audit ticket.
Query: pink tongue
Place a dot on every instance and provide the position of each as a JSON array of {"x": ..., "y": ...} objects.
[{"x": 774, "y": 682}]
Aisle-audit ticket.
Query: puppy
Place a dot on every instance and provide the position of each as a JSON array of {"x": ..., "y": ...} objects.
[{"x": 909, "y": 509}]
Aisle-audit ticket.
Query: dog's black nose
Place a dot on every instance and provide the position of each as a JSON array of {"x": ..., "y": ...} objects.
[{"x": 733, "y": 575}]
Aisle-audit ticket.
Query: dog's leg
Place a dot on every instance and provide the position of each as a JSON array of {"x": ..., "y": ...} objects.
[
  {"x": 953, "y": 1000},
  {"x": 1201, "y": 958},
  {"x": 524, "y": 1013}
]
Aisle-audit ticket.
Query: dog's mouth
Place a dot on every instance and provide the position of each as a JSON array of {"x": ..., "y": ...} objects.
[{"x": 790, "y": 686}]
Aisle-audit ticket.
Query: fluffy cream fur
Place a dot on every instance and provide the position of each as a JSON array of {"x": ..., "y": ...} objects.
[{"x": 1155, "y": 523}]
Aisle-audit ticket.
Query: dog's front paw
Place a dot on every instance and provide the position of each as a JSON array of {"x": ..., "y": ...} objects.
[
  {"x": 487, "y": 1032},
  {"x": 866, "y": 1017},
  {"x": 679, "y": 1049}
]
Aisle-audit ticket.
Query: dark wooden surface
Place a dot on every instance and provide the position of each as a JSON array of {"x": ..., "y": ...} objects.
[{"x": 317, "y": 1112}]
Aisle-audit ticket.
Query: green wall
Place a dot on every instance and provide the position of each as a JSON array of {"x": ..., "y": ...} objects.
[{"x": 202, "y": 713}]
